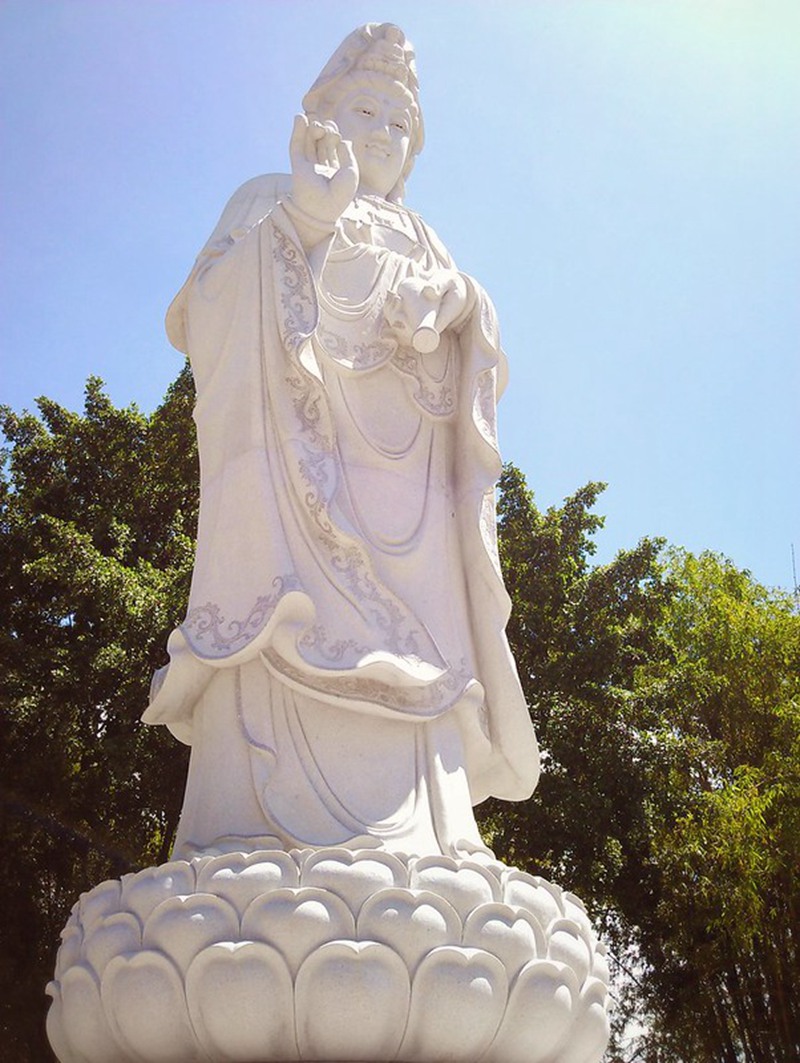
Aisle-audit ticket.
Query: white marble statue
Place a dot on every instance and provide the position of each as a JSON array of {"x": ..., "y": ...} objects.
[{"x": 342, "y": 673}]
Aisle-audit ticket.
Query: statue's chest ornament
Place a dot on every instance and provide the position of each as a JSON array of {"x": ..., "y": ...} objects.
[{"x": 378, "y": 223}]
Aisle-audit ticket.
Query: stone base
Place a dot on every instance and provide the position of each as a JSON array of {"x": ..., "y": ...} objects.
[{"x": 329, "y": 955}]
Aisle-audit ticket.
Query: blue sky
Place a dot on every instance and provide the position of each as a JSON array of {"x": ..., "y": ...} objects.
[{"x": 623, "y": 176}]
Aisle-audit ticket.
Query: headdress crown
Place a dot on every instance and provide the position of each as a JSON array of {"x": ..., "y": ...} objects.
[{"x": 380, "y": 47}]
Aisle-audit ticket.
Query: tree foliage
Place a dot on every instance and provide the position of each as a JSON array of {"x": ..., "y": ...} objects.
[
  {"x": 97, "y": 517},
  {"x": 727, "y": 840},
  {"x": 664, "y": 687}
]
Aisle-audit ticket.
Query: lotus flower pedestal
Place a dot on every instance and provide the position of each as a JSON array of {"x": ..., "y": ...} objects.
[{"x": 329, "y": 954}]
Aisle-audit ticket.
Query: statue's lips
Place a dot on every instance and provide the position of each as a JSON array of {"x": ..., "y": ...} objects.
[{"x": 376, "y": 149}]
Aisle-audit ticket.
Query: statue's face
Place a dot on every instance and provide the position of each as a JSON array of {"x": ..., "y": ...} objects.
[{"x": 377, "y": 122}]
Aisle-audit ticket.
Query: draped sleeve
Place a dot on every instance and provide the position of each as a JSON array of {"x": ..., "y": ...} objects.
[{"x": 289, "y": 570}]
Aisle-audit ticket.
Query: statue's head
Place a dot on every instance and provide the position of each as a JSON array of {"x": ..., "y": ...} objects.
[{"x": 376, "y": 63}]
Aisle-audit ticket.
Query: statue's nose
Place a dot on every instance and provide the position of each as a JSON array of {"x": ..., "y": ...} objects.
[{"x": 381, "y": 132}]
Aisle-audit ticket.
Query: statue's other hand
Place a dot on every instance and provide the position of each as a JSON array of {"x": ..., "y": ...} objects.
[
  {"x": 423, "y": 307},
  {"x": 456, "y": 299},
  {"x": 324, "y": 170}
]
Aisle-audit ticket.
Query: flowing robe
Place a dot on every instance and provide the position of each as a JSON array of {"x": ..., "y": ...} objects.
[{"x": 342, "y": 672}]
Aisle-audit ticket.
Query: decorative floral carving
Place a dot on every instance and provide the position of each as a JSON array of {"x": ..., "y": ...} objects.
[
  {"x": 446, "y": 689},
  {"x": 361, "y": 356},
  {"x": 334, "y": 650},
  {"x": 255, "y": 957},
  {"x": 206, "y": 626},
  {"x": 296, "y": 294},
  {"x": 436, "y": 397}
]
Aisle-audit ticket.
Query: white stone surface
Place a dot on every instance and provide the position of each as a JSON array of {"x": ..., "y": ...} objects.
[
  {"x": 342, "y": 674},
  {"x": 329, "y": 954},
  {"x": 343, "y": 669}
]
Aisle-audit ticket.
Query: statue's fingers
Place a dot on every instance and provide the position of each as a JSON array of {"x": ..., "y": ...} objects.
[
  {"x": 346, "y": 158},
  {"x": 330, "y": 147},
  {"x": 450, "y": 308},
  {"x": 315, "y": 137},
  {"x": 299, "y": 142},
  {"x": 298, "y": 139}
]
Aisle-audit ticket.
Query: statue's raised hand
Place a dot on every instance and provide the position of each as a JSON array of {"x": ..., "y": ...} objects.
[{"x": 324, "y": 171}]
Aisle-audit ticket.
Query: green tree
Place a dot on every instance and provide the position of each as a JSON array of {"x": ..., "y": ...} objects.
[
  {"x": 665, "y": 690},
  {"x": 97, "y": 517},
  {"x": 726, "y": 832},
  {"x": 580, "y": 632}
]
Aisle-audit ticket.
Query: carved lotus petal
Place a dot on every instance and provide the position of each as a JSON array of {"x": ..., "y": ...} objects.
[
  {"x": 84, "y": 1026},
  {"x": 568, "y": 945},
  {"x": 297, "y": 922},
  {"x": 241, "y": 1002},
  {"x": 457, "y": 1002},
  {"x": 464, "y": 884},
  {"x": 181, "y": 926},
  {"x": 494, "y": 866},
  {"x": 600, "y": 965},
  {"x": 110, "y": 937},
  {"x": 534, "y": 894},
  {"x": 594, "y": 991},
  {"x": 99, "y": 902},
  {"x": 146, "y": 1008},
  {"x": 55, "y": 1023},
  {"x": 540, "y": 1014},
  {"x": 410, "y": 923},
  {"x": 227, "y": 844},
  {"x": 69, "y": 951},
  {"x": 351, "y": 1001},
  {"x": 239, "y": 878},
  {"x": 514, "y": 937},
  {"x": 571, "y": 901},
  {"x": 353, "y": 876},
  {"x": 144, "y": 891},
  {"x": 575, "y": 909},
  {"x": 590, "y": 1034},
  {"x": 189, "y": 988}
]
